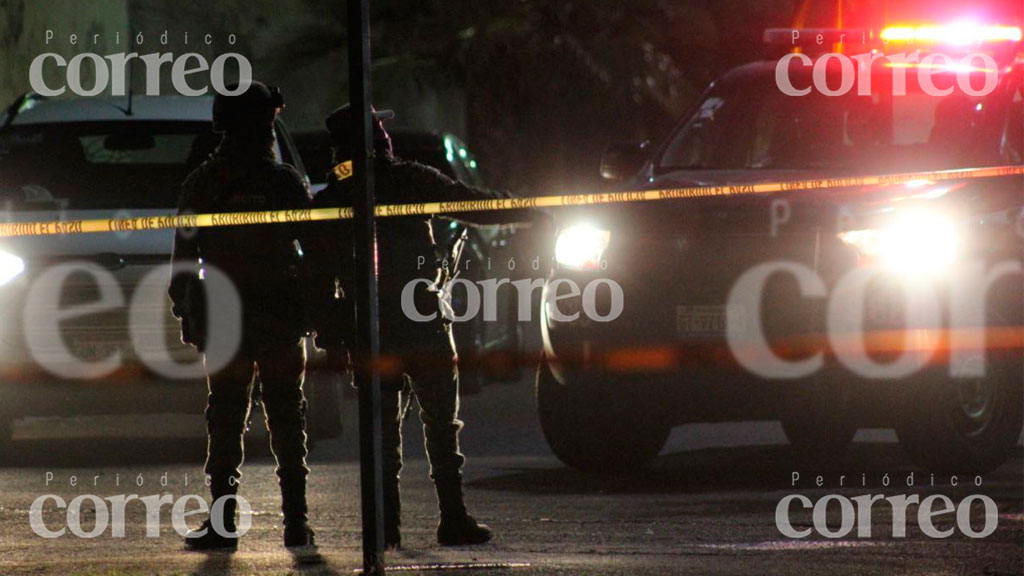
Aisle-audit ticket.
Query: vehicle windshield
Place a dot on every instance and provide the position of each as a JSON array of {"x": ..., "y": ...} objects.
[
  {"x": 448, "y": 154},
  {"x": 753, "y": 125},
  {"x": 99, "y": 166}
]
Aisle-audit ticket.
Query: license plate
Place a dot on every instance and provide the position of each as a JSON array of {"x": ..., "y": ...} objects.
[{"x": 705, "y": 321}]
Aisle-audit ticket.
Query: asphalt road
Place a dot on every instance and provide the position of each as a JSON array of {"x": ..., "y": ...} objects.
[{"x": 707, "y": 506}]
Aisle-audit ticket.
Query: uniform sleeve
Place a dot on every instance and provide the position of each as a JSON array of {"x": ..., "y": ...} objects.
[
  {"x": 321, "y": 265},
  {"x": 332, "y": 308},
  {"x": 295, "y": 195},
  {"x": 425, "y": 184},
  {"x": 299, "y": 193},
  {"x": 185, "y": 251}
]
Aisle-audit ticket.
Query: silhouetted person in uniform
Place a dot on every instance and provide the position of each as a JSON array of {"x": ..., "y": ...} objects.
[
  {"x": 263, "y": 262},
  {"x": 424, "y": 351}
]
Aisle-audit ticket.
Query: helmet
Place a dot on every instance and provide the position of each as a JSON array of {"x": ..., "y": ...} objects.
[
  {"x": 339, "y": 124},
  {"x": 256, "y": 107}
]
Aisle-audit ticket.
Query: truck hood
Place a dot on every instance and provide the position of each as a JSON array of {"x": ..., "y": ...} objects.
[{"x": 815, "y": 207}]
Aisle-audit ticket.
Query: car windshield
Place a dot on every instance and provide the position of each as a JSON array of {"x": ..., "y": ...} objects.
[
  {"x": 99, "y": 166},
  {"x": 753, "y": 125}
]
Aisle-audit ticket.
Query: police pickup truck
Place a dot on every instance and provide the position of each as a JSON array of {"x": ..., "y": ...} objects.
[{"x": 830, "y": 308}]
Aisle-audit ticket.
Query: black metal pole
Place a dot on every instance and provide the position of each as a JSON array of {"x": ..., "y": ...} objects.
[{"x": 367, "y": 345}]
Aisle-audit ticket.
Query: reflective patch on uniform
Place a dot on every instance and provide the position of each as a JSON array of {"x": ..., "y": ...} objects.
[{"x": 343, "y": 171}]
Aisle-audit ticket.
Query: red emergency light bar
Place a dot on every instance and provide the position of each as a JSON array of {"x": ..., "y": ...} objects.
[
  {"x": 956, "y": 34},
  {"x": 960, "y": 34},
  {"x": 951, "y": 67}
]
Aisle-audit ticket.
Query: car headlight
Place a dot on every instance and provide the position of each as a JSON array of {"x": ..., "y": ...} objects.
[
  {"x": 11, "y": 267},
  {"x": 915, "y": 243},
  {"x": 581, "y": 247}
]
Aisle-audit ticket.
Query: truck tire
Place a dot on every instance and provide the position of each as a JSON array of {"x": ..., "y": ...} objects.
[
  {"x": 323, "y": 398},
  {"x": 971, "y": 424},
  {"x": 964, "y": 425},
  {"x": 597, "y": 429}
]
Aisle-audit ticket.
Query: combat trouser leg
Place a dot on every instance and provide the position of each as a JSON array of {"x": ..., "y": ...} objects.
[
  {"x": 435, "y": 381},
  {"x": 281, "y": 373},
  {"x": 227, "y": 411},
  {"x": 226, "y": 414},
  {"x": 393, "y": 410}
]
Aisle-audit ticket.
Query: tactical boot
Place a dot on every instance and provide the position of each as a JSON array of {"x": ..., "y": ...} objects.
[
  {"x": 297, "y": 534},
  {"x": 293, "y": 503},
  {"x": 392, "y": 515},
  {"x": 207, "y": 538},
  {"x": 457, "y": 527}
]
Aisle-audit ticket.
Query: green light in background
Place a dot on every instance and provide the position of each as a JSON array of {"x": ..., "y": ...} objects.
[{"x": 449, "y": 150}]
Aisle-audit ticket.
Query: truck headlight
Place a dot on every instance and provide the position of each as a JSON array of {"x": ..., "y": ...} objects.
[
  {"x": 914, "y": 243},
  {"x": 581, "y": 247}
]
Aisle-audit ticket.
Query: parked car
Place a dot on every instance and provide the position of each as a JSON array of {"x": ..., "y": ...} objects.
[{"x": 91, "y": 158}]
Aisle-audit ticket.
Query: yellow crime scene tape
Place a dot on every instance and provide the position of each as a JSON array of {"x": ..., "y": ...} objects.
[{"x": 344, "y": 170}]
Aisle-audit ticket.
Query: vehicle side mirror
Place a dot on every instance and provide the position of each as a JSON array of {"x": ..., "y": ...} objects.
[{"x": 623, "y": 160}]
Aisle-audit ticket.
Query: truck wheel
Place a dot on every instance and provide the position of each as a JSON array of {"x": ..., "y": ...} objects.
[
  {"x": 597, "y": 429},
  {"x": 964, "y": 425},
  {"x": 817, "y": 422},
  {"x": 971, "y": 424},
  {"x": 323, "y": 397}
]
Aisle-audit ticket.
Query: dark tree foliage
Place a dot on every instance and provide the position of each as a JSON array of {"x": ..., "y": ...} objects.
[{"x": 549, "y": 83}]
